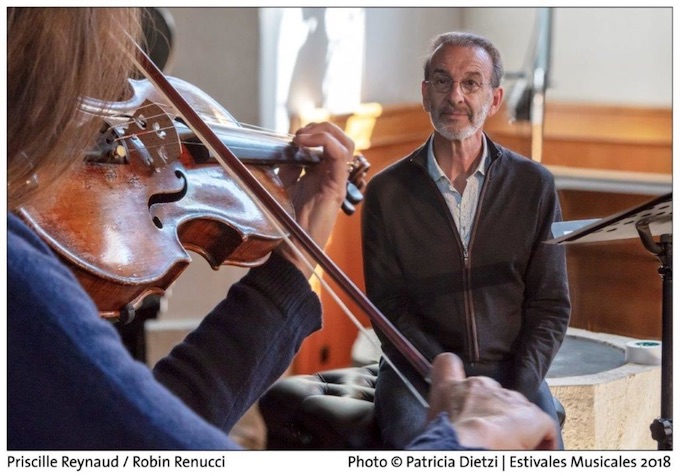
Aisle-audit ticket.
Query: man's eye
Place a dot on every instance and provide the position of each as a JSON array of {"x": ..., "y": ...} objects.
[{"x": 471, "y": 83}]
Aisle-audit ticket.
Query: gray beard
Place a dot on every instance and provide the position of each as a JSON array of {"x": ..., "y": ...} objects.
[{"x": 452, "y": 135}]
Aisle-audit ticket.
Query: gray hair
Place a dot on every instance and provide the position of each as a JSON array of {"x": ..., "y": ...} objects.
[{"x": 470, "y": 40}]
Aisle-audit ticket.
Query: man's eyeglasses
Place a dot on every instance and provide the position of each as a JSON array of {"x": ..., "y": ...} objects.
[{"x": 444, "y": 84}]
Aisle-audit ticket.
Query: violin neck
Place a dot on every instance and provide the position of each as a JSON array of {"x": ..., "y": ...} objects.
[{"x": 250, "y": 147}]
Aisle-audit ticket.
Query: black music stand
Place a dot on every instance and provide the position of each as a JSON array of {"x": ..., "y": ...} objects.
[{"x": 653, "y": 218}]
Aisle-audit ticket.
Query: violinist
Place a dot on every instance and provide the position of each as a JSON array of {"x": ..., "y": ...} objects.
[{"x": 71, "y": 384}]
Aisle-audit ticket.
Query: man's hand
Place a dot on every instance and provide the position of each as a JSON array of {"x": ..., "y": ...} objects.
[{"x": 484, "y": 414}]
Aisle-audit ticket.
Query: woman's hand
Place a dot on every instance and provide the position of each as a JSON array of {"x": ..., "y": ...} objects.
[{"x": 318, "y": 193}]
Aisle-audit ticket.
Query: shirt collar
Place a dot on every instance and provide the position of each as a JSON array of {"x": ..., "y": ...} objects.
[{"x": 435, "y": 170}]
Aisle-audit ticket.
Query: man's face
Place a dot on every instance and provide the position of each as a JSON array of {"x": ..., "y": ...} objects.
[{"x": 460, "y": 112}]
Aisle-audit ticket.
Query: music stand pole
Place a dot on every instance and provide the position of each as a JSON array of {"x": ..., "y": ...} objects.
[{"x": 662, "y": 427}]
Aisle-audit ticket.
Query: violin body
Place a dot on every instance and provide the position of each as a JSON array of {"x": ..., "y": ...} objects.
[{"x": 124, "y": 217}]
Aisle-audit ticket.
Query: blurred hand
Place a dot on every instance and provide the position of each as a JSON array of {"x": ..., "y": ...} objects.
[
  {"x": 484, "y": 414},
  {"x": 318, "y": 194}
]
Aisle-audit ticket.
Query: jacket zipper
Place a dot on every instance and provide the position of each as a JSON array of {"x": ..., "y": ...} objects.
[
  {"x": 467, "y": 273},
  {"x": 471, "y": 326}
]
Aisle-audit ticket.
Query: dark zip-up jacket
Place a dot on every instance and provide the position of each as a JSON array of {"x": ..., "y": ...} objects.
[{"x": 503, "y": 301}]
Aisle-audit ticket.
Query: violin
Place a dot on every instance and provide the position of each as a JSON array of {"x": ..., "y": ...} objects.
[
  {"x": 153, "y": 190},
  {"x": 171, "y": 171}
]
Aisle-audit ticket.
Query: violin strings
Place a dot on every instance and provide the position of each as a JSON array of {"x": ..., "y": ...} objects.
[
  {"x": 153, "y": 147},
  {"x": 242, "y": 125}
]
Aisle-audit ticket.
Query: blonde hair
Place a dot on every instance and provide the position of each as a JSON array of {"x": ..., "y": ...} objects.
[{"x": 55, "y": 57}]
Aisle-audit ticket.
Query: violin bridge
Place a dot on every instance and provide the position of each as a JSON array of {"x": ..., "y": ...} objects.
[{"x": 155, "y": 130}]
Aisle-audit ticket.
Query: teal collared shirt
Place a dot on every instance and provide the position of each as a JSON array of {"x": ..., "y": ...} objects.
[{"x": 463, "y": 207}]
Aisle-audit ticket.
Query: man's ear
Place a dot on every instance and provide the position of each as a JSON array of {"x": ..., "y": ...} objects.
[
  {"x": 423, "y": 92},
  {"x": 497, "y": 100}
]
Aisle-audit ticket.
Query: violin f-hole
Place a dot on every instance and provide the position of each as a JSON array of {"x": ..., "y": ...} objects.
[{"x": 168, "y": 197}]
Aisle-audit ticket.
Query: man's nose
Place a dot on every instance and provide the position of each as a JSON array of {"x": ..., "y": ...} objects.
[{"x": 456, "y": 93}]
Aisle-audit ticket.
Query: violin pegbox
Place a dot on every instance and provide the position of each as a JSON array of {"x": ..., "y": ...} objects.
[{"x": 356, "y": 183}]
